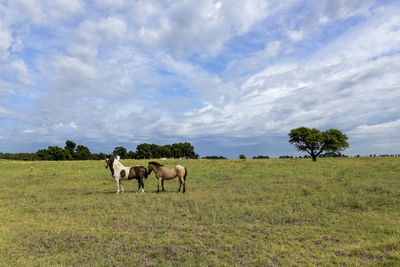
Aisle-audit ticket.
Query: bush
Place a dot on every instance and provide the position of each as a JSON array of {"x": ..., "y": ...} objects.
[{"x": 214, "y": 157}]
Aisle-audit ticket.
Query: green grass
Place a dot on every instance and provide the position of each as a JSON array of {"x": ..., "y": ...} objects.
[{"x": 235, "y": 212}]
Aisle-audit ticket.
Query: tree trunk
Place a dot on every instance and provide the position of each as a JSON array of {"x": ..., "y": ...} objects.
[{"x": 313, "y": 156}]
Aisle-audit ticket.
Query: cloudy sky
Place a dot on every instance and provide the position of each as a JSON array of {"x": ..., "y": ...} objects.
[{"x": 230, "y": 76}]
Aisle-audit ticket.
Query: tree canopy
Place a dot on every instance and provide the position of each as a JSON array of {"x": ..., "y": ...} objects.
[
  {"x": 69, "y": 152},
  {"x": 314, "y": 142},
  {"x": 152, "y": 151},
  {"x": 121, "y": 151}
]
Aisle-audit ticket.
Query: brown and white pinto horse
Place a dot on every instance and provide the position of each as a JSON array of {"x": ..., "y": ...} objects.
[
  {"x": 163, "y": 173},
  {"x": 120, "y": 172}
]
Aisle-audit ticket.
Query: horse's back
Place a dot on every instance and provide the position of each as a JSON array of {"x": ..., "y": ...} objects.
[
  {"x": 140, "y": 171},
  {"x": 136, "y": 172},
  {"x": 167, "y": 173},
  {"x": 180, "y": 170}
]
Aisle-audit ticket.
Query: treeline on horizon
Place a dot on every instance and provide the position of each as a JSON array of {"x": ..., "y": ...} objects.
[{"x": 72, "y": 151}]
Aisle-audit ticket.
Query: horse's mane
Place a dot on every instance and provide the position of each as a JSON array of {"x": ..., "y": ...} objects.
[
  {"x": 111, "y": 157},
  {"x": 156, "y": 163},
  {"x": 118, "y": 163}
]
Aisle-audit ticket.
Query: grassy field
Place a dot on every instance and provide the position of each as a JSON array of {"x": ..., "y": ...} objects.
[{"x": 235, "y": 212}]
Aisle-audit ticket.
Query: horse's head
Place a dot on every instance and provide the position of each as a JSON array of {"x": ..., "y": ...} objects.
[
  {"x": 153, "y": 166},
  {"x": 150, "y": 168},
  {"x": 109, "y": 161}
]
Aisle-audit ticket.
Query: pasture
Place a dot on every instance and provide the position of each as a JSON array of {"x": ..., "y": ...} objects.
[{"x": 270, "y": 212}]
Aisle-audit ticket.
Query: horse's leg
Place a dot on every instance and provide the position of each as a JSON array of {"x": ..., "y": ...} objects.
[
  {"x": 138, "y": 182},
  {"x": 117, "y": 183},
  {"x": 180, "y": 185},
  {"x": 141, "y": 181},
  {"x": 182, "y": 182},
  {"x": 122, "y": 188},
  {"x": 141, "y": 184},
  {"x": 162, "y": 183},
  {"x": 158, "y": 184}
]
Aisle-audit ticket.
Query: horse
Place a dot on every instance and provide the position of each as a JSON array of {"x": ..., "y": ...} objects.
[
  {"x": 120, "y": 172},
  {"x": 163, "y": 173}
]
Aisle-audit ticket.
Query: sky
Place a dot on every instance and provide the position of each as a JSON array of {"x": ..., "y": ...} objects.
[{"x": 229, "y": 76}]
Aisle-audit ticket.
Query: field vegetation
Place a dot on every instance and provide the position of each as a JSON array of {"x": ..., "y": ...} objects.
[{"x": 259, "y": 212}]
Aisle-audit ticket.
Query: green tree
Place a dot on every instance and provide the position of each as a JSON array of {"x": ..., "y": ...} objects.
[
  {"x": 188, "y": 150},
  {"x": 120, "y": 151},
  {"x": 43, "y": 154},
  {"x": 143, "y": 151},
  {"x": 101, "y": 156},
  {"x": 166, "y": 151},
  {"x": 56, "y": 152},
  {"x": 132, "y": 155},
  {"x": 314, "y": 142},
  {"x": 70, "y": 146},
  {"x": 68, "y": 155},
  {"x": 155, "y": 151},
  {"x": 82, "y": 153}
]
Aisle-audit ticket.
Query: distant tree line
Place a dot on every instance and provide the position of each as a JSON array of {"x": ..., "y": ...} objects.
[
  {"x": 72, "y": 151},
  {"x": 261, "y": 157},
  {"x": 153, "y": 151},
  {"x": 287, "y": 157},
  {"x": 333, "y": 155},
  {"x": 213, "y": 157}
]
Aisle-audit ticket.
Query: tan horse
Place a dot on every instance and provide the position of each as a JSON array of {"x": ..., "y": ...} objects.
[{"x": 163, "y": 173}]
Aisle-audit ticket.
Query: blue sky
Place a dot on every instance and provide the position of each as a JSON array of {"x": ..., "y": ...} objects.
[{"x": 231, "y": 77}]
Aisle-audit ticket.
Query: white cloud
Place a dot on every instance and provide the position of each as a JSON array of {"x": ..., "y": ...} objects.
[
  {"x": 19, "y": 72},
  {"x": 74, "y": 69},
  {"x": 379, "y": 36},
  {"x": 64, "y": 126},
  {"x": 295, "y": 36},
  {"x": 188, "y": 27},
  {"x": 389, "y": 128},
  {"x": 326, "y": 90},
  {"x": 69, "y": 6},
  {"x": 5, "y": 42},
  {"x": 3, "y": 112},
  {"x": 21, "y": 9},
  {"x": 104, "y": 30},
  {"x": 272, "y": 48},
  {"x": 111, "y": 3},
  {"x": 341, "y": 9}
]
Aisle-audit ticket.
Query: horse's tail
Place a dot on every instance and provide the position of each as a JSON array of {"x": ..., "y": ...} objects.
[
  {"x": 184, "y": 177},
  {"x": 145, "y": 173}
]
